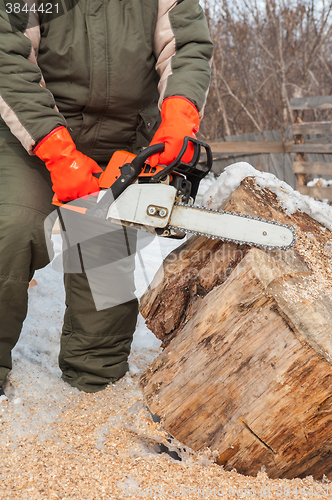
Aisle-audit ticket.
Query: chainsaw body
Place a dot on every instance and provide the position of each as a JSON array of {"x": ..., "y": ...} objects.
[{"x": 160, "y": 200}]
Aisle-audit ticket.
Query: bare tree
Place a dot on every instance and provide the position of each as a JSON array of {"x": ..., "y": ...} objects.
[{"x": 265, "y": 54}]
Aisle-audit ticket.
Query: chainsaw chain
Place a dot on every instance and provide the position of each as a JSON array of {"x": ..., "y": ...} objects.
[{"x": 238, "y": 242}]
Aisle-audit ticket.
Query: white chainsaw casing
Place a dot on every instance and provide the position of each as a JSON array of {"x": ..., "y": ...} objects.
[{"x": 132, "y": 205}]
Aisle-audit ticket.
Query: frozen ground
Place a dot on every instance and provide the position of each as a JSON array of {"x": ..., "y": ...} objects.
[{"x": 35, "y": 378}]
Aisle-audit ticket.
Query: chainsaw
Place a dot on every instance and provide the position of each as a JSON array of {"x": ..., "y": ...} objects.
[{"x": 160, "y": 200}]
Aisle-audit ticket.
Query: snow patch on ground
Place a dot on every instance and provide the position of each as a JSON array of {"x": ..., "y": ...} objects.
[
  {"x": 319, "y": 182},
  {"x": 37, "y": 394}
]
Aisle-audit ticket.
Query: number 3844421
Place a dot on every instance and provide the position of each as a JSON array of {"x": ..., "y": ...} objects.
[{"x": 17, "y": 8}]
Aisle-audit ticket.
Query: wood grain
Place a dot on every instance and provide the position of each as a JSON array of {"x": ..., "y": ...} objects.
[
  {"x": 250, "y": 147},
  {"x": 323, "y": 148},
  {"x": 313, "y": 128},
  {"x": 307, "y": 167},
  {"x": 320, "y": 193},
  {"x": 246, "y": 369}
]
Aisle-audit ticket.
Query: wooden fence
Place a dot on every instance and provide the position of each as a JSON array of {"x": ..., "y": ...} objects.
[
  {"x": 312, "y": 138},
  {"x": 269, "y": 151},
  {"x": 294, "y": 155}
]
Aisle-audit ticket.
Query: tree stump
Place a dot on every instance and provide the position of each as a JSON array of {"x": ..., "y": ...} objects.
[{"x": 246, "y": 368}]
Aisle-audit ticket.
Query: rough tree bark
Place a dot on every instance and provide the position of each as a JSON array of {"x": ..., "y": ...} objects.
[{"x": 246, "y": 368}]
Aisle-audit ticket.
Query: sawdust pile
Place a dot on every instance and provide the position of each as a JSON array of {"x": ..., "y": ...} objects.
[{"x": 105, "y": 446}]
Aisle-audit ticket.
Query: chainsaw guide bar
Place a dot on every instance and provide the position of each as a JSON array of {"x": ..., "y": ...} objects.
[{"x": 287, "y": 233}]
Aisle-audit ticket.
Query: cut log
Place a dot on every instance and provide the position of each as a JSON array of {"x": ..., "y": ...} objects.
[{"x": 246, "y": 368}]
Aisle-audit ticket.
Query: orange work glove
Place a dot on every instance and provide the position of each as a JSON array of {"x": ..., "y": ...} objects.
[
  {"x": 179, "y": 118},
  {"x": 71, "y": 171}
]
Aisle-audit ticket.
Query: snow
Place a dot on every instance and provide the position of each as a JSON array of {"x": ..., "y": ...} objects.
[
  {"x": 35, "y": 378},
  {"x": 319, "y": 182},
  {"x": 289, "y": 199}
]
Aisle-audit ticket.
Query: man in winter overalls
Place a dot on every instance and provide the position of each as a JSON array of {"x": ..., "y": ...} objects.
[{"x": 74, "y": 88}]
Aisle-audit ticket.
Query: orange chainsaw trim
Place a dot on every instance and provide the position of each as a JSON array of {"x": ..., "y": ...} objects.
[
  {"x": 58, "y": 203},
  {"x": 111, "y": 173}
]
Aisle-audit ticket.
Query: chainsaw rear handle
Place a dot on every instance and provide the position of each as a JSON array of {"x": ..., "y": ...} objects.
[
  {"x": 139, "y": 162},
  {"x": 187, "y": 168},
  {"x": 131, "y": 171}
]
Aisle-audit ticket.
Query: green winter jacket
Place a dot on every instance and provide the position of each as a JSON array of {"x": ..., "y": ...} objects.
[{"x": 99, "y": 69}]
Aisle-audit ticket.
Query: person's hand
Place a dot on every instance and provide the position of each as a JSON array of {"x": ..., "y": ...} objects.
[
  {"x": 71, "y": 171},
  {"x": 179, "y": 119}
]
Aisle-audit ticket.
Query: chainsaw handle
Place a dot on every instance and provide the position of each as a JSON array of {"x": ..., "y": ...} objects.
[
  {"x": 187, "y": 166},
  {"x": 139, "y": 162}
]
